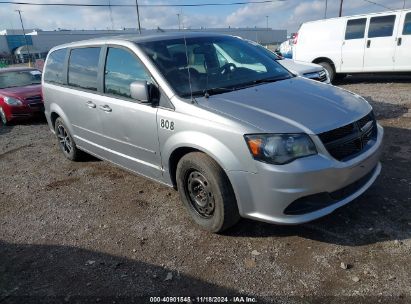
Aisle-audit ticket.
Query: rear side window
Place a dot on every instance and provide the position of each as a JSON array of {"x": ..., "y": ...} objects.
[
  {"x": 55, "y": 65},
  {"x": 122, "y": 68},
  {"x": 407, "y": 25},
  {"x": 381, "y": 26},
  {"x": 355, "y": 28},
  {"x": 83, "y": 68}
]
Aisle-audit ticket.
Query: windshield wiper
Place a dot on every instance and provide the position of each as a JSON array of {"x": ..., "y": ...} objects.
[
  {"x": 214, "y": 91},
  {"x": 268, "y": 80},
  {"x": 259, "y": 81}
]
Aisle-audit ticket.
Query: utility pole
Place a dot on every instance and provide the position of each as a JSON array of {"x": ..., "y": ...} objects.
[
  {"x": 267, "y": 21},
  {"x": 25, "y": 38},
  {"x": 138, "y": 17},
  {"x": 341, "y": 3},
  {"x": 325, "y": 12},
  {"x": 111, "y": 15},
  {"x": 179, "y": 25}
]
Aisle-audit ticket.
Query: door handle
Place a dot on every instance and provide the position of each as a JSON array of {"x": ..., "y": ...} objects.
[
  {"x": 91, "y": 105},
  {"x": 399, "y": 41},
  {"x": 368, "y": 43},
  {"x": 105, "y": 108}
]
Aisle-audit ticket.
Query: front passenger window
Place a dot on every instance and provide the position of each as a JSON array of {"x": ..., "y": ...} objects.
[
  {"x": 122, "y": 68},
  {"x": 355, "y": 29}
]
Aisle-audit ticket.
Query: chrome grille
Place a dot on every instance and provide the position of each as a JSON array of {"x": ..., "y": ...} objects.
[
  {"x": 323, "y": 76},
  {"x": 319, "y": 76},
  {"x": 350, "y": 140}
]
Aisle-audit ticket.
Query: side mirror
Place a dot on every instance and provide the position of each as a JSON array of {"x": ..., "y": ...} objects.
[{"x": 139, "y": 90}]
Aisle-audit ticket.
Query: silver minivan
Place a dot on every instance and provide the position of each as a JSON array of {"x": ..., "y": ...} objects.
[{"x": 236, "y": 139}]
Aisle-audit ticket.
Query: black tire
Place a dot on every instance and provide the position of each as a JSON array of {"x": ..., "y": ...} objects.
[
  {"x": 215, "y": 192},
  {"x": 340, "y": 76},
  {"x": 66, "y": 142},
  {"x": 329, "y": 68},
  {"x": 3, "y": 118}
]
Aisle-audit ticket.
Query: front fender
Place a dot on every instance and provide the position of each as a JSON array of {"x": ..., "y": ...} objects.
[{"x": 210, "y": 145}]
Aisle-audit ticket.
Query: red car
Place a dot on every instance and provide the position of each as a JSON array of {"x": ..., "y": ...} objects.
[{"x": 20, "y": 94}]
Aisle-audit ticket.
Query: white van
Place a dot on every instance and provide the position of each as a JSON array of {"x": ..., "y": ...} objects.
[{"x": 379, "y": 42}]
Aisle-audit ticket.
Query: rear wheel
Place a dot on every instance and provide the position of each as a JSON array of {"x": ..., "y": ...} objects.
[
  {"x": 329, "y": 68},
  {"x": 66, "y": 142},
  {"x": 206, "y": 192},
  {"x": 3, "y": 117}
]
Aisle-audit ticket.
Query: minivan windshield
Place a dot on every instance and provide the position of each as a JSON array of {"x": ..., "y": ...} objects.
[
  {"x": 212, "y": 65},
  {"x": 19, "y": 78}
]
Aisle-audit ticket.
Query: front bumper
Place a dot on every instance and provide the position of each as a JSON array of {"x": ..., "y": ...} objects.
[
  {"x": 265, "y": 195},
  {"x": 26, "y": 111}
]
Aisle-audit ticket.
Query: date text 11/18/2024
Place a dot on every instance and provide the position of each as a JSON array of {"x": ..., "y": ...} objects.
[{"x": 203, "y": 299}]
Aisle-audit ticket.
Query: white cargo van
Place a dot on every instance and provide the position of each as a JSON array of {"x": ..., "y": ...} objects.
[{"x": 379, "y": 42}]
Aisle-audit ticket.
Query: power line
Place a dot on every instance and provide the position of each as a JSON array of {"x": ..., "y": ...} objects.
[
  {"x": 379, "y": 4},
  {"x": 142, "y": 5}
]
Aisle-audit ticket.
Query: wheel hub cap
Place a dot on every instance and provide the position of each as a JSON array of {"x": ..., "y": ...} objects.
[{"x": 200, "y": 193}]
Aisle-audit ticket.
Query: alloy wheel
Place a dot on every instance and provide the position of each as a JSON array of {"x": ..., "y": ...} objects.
[
  {"x": 3, "y": 117},
  {"x": 64, "y": 139}
]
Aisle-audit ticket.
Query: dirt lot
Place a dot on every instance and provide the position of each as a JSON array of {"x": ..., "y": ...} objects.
[{"x": 91, "y": 232}]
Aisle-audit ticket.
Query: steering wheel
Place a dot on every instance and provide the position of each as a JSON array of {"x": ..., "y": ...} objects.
[{"x": 227, "y": 68}]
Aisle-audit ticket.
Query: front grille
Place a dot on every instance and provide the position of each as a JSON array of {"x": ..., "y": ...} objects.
[
  {"x": 39, "y": 106},
  {"x": 319, "y": 76},
  {"x": 20, "y": 115},
  {"x": 350, "y": 140},
  {"x": 323, "y": 76},
  {"x": 34, "y": 99}
]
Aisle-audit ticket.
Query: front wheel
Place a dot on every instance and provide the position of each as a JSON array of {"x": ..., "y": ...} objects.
[
  {"x": 3, "y": 117},
  {"x": 206, "y": 192}
]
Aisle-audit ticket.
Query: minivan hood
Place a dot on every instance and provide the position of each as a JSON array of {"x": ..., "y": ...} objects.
[
  {"x": 300, "y": 67},
  {"x": 292, "y": 105}
]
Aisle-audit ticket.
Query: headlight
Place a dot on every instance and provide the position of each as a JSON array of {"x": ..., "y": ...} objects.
[
  {"x": 12, "y": 101},
  {"x": 280, "y": 149},
  {"x": 312, "y": 75}
]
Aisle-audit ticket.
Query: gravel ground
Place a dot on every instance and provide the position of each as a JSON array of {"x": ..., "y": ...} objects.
[{"x": 90, "y": 231}]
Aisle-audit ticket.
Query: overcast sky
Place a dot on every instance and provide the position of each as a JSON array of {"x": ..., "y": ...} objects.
[{"x": 282, "y": 14}]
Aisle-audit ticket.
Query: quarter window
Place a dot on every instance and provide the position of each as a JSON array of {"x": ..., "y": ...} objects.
[
  {"x": 83, "y": 67},
  {"x": 355, "y": 29},
  {"x": 381, "y": 26},
  {"x": 122, "y": 68},
  {"x": 407, "y": 25},
  {"x": 55, "y": 65}
]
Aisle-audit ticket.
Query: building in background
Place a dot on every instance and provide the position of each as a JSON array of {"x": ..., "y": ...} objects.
[{"x": 13, "y": 44}]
